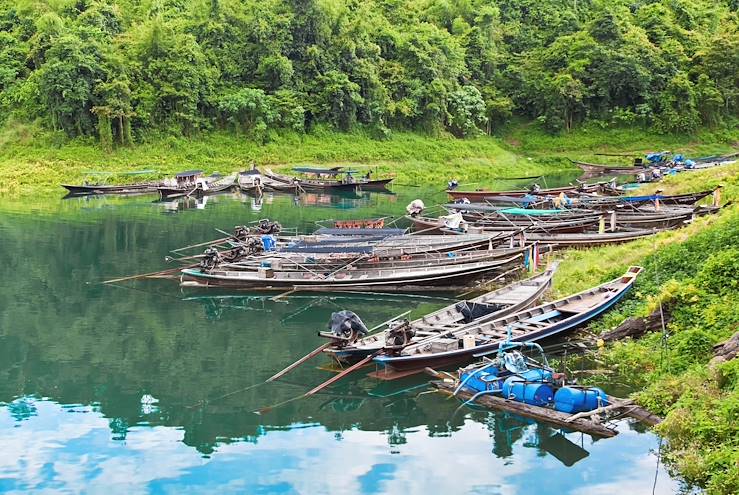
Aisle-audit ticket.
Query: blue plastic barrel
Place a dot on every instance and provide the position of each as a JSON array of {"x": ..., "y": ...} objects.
[
  {"x": 483, "y": 380},
  {"x": 573, "y": 400},
  {"x": 536, "y": 394}
]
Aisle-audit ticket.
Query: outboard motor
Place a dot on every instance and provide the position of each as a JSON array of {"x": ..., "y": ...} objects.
[
  {"x": 452, "y": 184},
  {"x": 535, "y": 188},
  {"x": 266, "y": 226},
  {"x": 347, "y": 325},
  {"x": 399, "y": 334},
  {"x": 415, "y": 207},
  {"x": 236, "y": 254},
  {"x": 211, "y": 259},
  {"x": 241, "y": 232}
]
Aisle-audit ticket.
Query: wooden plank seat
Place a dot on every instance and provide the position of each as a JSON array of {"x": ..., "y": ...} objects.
[
  {"x": 543, "y": 316},
  {"x": 580, "y": 306},
  {"x": 527, "y": 328}
]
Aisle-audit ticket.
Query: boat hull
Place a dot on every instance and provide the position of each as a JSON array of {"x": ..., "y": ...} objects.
[
  {"x": 100, "y": 189},
  {"x": 391, "y": 367}
]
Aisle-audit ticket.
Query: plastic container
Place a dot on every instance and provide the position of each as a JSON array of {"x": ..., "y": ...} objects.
[
  {"x": 268, "y": 242},
  {"x": 484, "y": 380},
  {"x": 536, "y": 394},
  {"x": 574, "y": 400}
]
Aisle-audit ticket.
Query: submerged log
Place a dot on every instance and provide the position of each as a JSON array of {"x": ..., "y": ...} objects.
[{"x": 636, "y": 327}]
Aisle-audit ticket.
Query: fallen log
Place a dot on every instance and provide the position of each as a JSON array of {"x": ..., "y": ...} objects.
[{"x": 637, "y": 327}]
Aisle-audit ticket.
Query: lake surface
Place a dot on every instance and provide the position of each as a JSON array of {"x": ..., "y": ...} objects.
[{"x": 146, "y": 388}]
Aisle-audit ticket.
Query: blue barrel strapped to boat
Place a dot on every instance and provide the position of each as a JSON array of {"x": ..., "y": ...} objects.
[
  {"x": 574, "y": 400},
  {"x": 531, "y": 387},
  {"x": 481, "y": 381}
]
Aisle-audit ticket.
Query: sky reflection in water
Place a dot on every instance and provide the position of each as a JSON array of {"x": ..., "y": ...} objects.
[{"x": 145, "y": 357}]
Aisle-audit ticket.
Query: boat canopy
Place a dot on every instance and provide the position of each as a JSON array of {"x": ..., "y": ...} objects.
[
  {"x": 324, "y": 171},
  {"x": 188, "y": 173}
]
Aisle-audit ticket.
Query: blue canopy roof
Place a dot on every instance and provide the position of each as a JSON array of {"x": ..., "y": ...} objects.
[{"x": 189, "y": 173}]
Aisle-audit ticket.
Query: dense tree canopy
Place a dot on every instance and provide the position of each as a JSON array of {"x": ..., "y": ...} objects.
[{"x": 121, "y": 68}]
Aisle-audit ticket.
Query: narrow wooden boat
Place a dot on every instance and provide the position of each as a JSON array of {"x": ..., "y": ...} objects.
[
  {"x": 367, "y": 262},
  {"x": 436, "y": 226},
  {"x": 437, "y": 274},
  {"x": 85, "y": 190},
  {"x": 547, "y": 320},
  {"x": 599, "y": 169},
  {"x": 338, "y": 246},
  {"x": 483, "y": 194},
  {"x": 322, "y": 185},
  {"x": 492, "y": 305}
]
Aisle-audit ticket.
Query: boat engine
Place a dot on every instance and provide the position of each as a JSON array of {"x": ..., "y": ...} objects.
[
  {"x": 241, "y": 232},
  {"x": 399, "y": 333},
  {"x": 210, "y": 260},
  {"x": 347, "y": 325},
  {"x": 415, "y": 207},
  {"x": 267, "y": 226}
]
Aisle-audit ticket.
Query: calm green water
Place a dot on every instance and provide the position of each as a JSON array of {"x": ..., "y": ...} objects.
[{"x": 102, "y": 388}]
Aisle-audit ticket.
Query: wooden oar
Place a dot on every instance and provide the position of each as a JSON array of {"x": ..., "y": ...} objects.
[
  {"x": 206, "y": 243},
  {"x": 300, "y": 361},
  {"x": 320, "y": 387},
  {"x": 341, "y": 375},
  {"x": 143, "y": 275}
]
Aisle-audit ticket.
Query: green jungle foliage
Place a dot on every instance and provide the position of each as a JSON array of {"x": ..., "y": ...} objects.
[{"x": 122, "y": 70}]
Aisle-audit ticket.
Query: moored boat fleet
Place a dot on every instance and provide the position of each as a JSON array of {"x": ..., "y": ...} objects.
[
  {"x": 484, "y": 240},
  {"x": 193, "y": 183}
]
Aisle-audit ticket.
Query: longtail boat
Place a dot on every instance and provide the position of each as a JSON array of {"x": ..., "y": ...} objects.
[
  {"x": 350, "y": 184},
  {"x": 192, "y": 183},
  {"x": 83, "y": 190},
  {"x": 597, "y": 168},
  {"x": 268, "y": 279},
  {"x": 482, "y": 194},
  {"x": 543, "y": 321},
  {"x": 328, "y": 265},
  {"x": 579, "y": 224},
  {"x": 98, "y": 188},
  {"x": 491, "y": 305}
]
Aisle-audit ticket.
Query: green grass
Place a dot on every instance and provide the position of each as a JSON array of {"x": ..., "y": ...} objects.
[
  {"x": 37, "y": 165},
  {"x": 35, "y": 162},
  {"x": 584, "y": 142}
]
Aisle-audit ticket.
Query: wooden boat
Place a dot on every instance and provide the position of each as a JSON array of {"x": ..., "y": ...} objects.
[
  {"x": 535, "y": 324},
  {"x": 675, "y": 199},
  {"x": 192, "y": 184},
  {"x": 481, "y": 195},
  {"x": 492, "y": 305},
  {"x": 367, "y": 262},
  {"x": 323, "y": 185},
  {"x": 85, "y": 190},
  {"x": 267, "y": 279},
  {"x": 342, "y": 246},
  {"x": 599, "y": 169},
  {"x": 198, "y": 191},
  {"x": 436, "y": 225}
]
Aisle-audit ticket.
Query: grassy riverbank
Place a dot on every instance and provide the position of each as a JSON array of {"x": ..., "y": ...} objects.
[
  {"x": 33, "y": 162},
  {"x": 693, "y": 273}
]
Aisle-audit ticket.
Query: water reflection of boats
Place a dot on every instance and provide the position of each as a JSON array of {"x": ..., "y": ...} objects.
[{"x": 180, "y": 203}]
